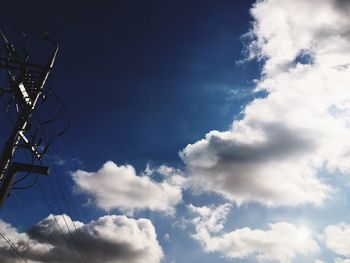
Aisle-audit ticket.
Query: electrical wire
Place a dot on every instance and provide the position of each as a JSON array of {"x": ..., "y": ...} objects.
[
  {"x": 65, "y": 129},
  {"x": 68, "y": 207},
  {"x": 21, "y": 179},
  {"x": 25, "y": 176},
  {"x": 56, "y": 221},
  {"x": 49, "y": 206},
  {"x": 52, "y": 189},
  {"x": 50, "y": 209},
  {"x": 79, "y": 240},
  {"x": 26, "y": 211},
  {"x": 61, "y": 211},
  {"x": 9, "y": 242},
  {"x": 45, "y": 197},
  {"x": 28, "y": 186},
  {"x": 56, "y": 173},
  {"x": 57, "y": 202}
]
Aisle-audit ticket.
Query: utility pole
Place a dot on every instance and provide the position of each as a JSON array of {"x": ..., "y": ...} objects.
[{"x": 27, "y": 82}]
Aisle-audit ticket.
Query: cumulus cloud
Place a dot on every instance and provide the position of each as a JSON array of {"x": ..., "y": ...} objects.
[
  {"x": 281, "y": 242},
  {"x": 109, "y": 239},
  {"x": 115, "y": 186},
  {"x": 273, "y": 155},
  {"x": 336, "y": 238}
]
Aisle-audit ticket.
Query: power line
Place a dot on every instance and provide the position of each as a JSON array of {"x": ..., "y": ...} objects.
[
  {"x": 9, "y": 242},
  {"x": 50, "y": 209},
  {"x": 42, "y": 191},
  {"x": 25, "y": 187},
  {"x": 26, "y": 87},
  {"x": 32, "y": 184},
  {"x": 56, "y": 221},
  {"x": 61, "y": 211},
  {"x": 68, "y": 207},
  {"x": 25, "y": 211},
  {"x": 3, "y": 235},
  {"x": 59, "y": 180}
]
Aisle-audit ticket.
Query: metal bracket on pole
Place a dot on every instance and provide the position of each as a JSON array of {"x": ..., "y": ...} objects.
[
  {"x": 15, "y": 168},
  {"x": 27, "y": 81}
]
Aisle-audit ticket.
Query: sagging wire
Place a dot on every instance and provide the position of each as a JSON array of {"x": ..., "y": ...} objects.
[
  {"x": 50, "y": 141},
  {"x": 10, "y": 54},
  {"x": 79, "y": 238},
  {"x": 9, "y": 242}
]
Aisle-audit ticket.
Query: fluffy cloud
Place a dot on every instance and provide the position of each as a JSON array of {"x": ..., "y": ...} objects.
[
  {"x": 281, "y": 243},
  {"x": 336, "y": 238},
  {"x": 109, "y": 239},
  {"x": 120, "y": 187},
  {"x": 274, "y": 153}
]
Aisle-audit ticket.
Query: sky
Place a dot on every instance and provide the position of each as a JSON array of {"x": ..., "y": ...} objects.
[{"x": 201, "y": 131}]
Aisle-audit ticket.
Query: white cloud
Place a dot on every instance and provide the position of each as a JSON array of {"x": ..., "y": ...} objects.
[
  {"x": 210, "y": 218},
  {"x": 336, "y": 260},
  {"x": 273, "y": 155},
  {"x": 340, "y": 260},
  {"x": 337, "y": 239},
  {"x": 166, "y": 237},
  {"x": 281, "y": 243},
  {"x": 115, "y": 186},
  {"x": 67, "y": 161},
  {"x": 109, "y": 239},
  {"x": 22, "y": 242}
]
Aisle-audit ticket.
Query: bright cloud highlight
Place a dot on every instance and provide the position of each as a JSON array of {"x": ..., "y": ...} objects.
[
  {"x": 120, "y": 187},
  {"x": 336, "y": 238},
  {"x": 282, "y": 242},
  {"x": 273, "y": 155}
]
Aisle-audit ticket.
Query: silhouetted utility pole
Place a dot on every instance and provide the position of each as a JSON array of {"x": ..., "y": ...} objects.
[{"x": 26, "y": 85}]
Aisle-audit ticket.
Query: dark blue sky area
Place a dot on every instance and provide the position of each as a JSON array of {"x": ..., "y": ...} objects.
[{"x": 141, "y": 79}]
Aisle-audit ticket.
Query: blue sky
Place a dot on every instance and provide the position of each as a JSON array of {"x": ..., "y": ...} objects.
[{"x": 211, "y": 130}]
